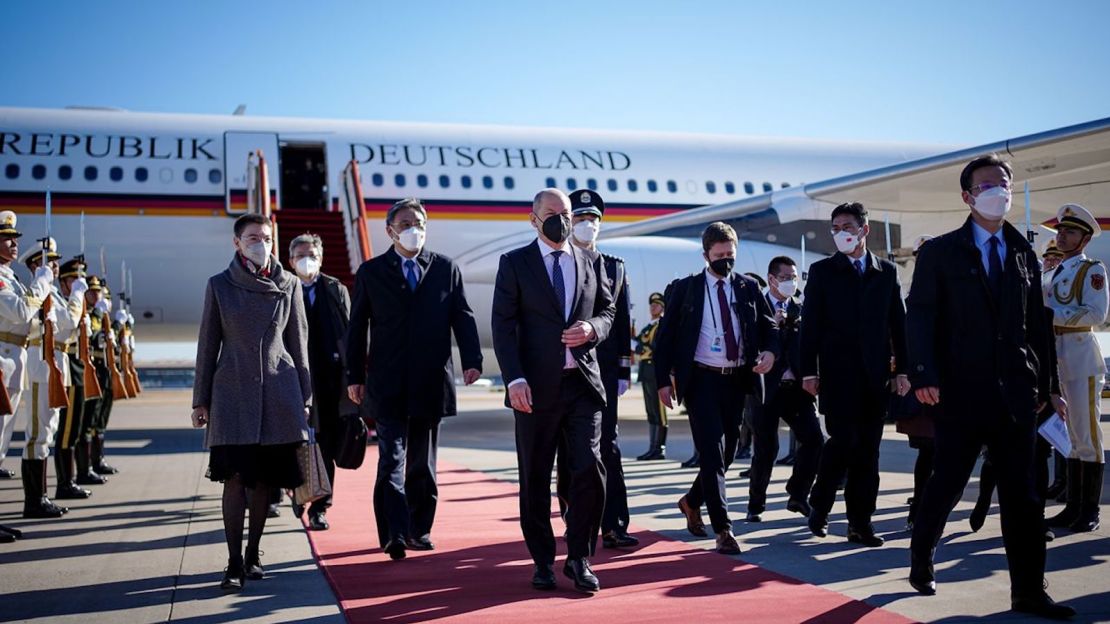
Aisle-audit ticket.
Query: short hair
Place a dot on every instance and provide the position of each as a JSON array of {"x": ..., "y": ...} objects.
[
  {"x": 990, "y": 160},
  {"x": 406, "y": 203},
  {"x": 548, "y": 192},
  {"x": 308, "y": 238},
  {"x": 778, "y": 262},
  {"x": 250, "y": 219},
  {"x": 852, "y": 209},
  {"x": 717, "y": 232},
  {"x": 758, "y": 279}
]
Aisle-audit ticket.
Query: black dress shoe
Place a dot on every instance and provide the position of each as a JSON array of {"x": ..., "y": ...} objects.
[
  {"x": 7, "y": 530},
  {"x": 6, "y": 538},
  {"x": 70, "y": 491},
  {"x": 799, "y": 506},
  {"x": 234, "y": 575},
  {"x": 753, "y": 516},
  {"x": 865, "y": 536},
  {"x": 727, "y": 544},
  {"x": 90, "y": 478},
  {"x": 618, "y": 539},
  {"x": 543, "y": 576},
  {"x": 787, "y": 460},
  {"x": 423, "y": 542},
  {"x": 318, "y": 521},
  {"x": 745, "y": 473},
  {"x": 654, "y": 455},
  {"x": 395, "y": 548},
  {"x": 921, "y": 576},
  {"x": 693, "y": 462},
  {"x": 1043, "y": 606},
  {"x": 819, "y": 526},
  {"x": 273, "y": 511},
  {"x": 252, "y": 565},
  {"x": 578, "y": 570},
  {"x": 6, "y": 474}
]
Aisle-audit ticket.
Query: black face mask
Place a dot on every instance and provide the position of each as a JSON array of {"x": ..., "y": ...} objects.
[
  {"x": 723, "y": 266},
  {"x": 556, "y": 228}
]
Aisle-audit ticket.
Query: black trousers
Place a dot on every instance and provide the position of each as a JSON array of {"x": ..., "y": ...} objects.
[
  {"x": 715, "y": 404},
  {"x": 328, "y": 430},
  {"x": 72, "y": 422},
  {"x": 405, "y": 492},
  {"x": 1010, "y": 445},
  {"x": 795, "y": 407},
  {"x": 98, "y": 411},
  {"x": 656, "y": 412},
  {"x": 852, "y": 450},
  {"x": 576, "y": 420}
]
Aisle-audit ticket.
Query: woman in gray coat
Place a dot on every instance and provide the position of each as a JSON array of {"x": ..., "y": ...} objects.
[{"x": 252, "y": 387}]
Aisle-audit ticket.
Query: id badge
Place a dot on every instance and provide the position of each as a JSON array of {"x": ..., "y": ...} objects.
[{"x": 718, "y": 345}]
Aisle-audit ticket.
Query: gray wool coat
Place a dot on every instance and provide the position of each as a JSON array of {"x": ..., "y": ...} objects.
[{"x": 252, "y": 358}]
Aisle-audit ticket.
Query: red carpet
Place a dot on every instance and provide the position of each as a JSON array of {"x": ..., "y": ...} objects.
[{"x": 481, "y": 571}]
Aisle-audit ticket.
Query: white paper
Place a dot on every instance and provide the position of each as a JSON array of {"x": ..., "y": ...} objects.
[{"x": 1055, "y": 431}]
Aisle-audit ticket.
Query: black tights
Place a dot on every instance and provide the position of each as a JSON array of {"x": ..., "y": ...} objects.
[{"x": 235, "y": 510}]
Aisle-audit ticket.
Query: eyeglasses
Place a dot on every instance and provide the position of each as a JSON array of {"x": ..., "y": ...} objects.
[
  {"x": 255, "y": 238},
  {"x": 404, "y": 225},
  {"x": 986, "y": 186}
]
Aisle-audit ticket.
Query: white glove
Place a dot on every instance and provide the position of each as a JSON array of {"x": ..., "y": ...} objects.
[
  {"x": 130, "y": 319},
  {"x": 119, "y": 316},
  {"x": 131, "y": 343},
  {"x": 622, "y": 387},
  {"x": 41, "y": 284},
  {"x": 52, "y": 315},
  {"x": 112, "y": 336},
  {"x": 79, "y": 287},
  {"x": 102, "y": 307}
]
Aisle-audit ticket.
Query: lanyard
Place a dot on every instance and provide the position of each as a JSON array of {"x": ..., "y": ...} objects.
[{"x": 712, "y": 303}]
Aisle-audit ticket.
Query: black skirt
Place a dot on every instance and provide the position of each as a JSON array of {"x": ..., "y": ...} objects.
[{"x": 272, "y": 465}]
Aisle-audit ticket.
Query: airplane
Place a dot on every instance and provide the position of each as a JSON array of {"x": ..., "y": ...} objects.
[{"x": 160, "y": 191}]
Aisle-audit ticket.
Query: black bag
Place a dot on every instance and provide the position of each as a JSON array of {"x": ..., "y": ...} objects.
[{"x": 351, "y": 449}]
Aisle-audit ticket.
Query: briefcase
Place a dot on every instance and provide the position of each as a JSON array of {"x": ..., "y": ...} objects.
[
  {"x": 316, "y": 484},
  {"x": 351, "y": 450}
]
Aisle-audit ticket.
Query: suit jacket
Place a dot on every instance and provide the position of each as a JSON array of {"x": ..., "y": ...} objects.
[
  {"x": 528, "y": 322},
  {"x": 790, "y": 340},
  {"x": 851, "y": 325},
  {"x": 409, "y": 358},
  {"x": 979, "y": 352},
  {"x": 614, "y": 354},
  {"x": 676, "y": 340},
  {"x": 328, "y": 318}
]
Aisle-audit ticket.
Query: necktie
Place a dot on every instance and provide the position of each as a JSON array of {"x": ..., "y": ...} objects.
[
  {"x": 410, "y": 274},
  {"x": 1058, "y": 271},
  {"x": 859, "y": 266},
  {"x": 557, "y": 282},
  {"x": 994, "y": 264},
  {"x": 309, "y": 295},
  {"x": 732, "y": 350}
]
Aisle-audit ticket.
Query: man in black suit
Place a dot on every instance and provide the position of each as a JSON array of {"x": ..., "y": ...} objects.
[
  {"x": 716, "y": 339},
  {"x": 551, "y": 307},
  {"x": 784, "y": 399},
  {"x": 853, "y": 320},
  {"x": 979, "y": 339},
  {"x": 328, "y": 307},
  {"x": 412, "y": 300}
]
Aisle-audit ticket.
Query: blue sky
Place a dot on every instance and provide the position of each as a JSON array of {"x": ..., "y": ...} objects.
[{"x": 951, "y": 72}]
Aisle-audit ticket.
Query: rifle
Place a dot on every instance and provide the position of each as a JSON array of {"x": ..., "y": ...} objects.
[
  {"x": 127, "y": 367},
  {"x": 118, "y": 390},
  {"x": 92, "y": 384},
  {"x": 56, "y": 389}
]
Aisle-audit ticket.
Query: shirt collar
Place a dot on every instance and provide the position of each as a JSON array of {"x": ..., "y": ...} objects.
[
  {"x": 310, "y": 283},
  {"x": 1073, "y": 260},
  {"x": 981, "y": 236},
  {"x": 712, "y": 279},
  {"x": 546, "y": 250},
  {"x": 404, "y": 259},
  {"x": 774, "y": 299}
]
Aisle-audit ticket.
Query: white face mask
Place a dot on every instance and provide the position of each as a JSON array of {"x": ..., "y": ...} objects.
[
  {"x": 586, "y": 231},
  {"x": 993, "y": 203},
  {"x": 258, "y": 252},
  {"x": 788, "y": 288},
  {"x": 307, "y": 267},
  {"x": 846, "y": 242},
  {"x": 412, "y": 239}
]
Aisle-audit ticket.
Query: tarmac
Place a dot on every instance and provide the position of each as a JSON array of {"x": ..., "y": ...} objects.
[{"x": 149, "y": 547}]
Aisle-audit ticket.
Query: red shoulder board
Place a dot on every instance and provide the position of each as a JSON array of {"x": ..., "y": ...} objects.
[
  {"x": 3, "y": 284},
  {"x": 1098, "y": 281}
]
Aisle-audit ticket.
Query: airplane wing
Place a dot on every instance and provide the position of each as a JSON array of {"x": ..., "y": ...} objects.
[{"x": 1070, "y": 164}]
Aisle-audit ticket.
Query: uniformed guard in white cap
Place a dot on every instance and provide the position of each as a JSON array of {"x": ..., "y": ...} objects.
[
  {"x": 18, "y": 306},
  {"x": 1078, "y": 298}
]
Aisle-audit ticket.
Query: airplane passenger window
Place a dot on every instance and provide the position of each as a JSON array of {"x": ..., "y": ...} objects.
[
  {"x": 444, "y": 181},
  {"x": 377, "y": 179},
  {"x": 767, "y": 188},
  {"x": 632, "y": 186},
  {"x": 748, "y": 188},
  {"x": 65, "y": 172},
  {"x": 141, "y": 174},
  {"x": 487, "y": 182},
  {"x": 465, "y": 181},
  {"x": 90, "y": 173},
  {"x": 116, "y": 174},
  {"x": 38, "y": 172},
  {"x": 711, "y": 187},
  {"x": 399, "y": 180},
  {"x": 591, "y": 184},
  {"x": 422, "y": 180},
  {"x": 612, "y": 184},
  {"x": 191, "y": 175},
  {"x": 730, "y": 188},
  {"x": 652, "y": 186},
  {"x": 672, "y": 186},
  {"x": 550, "y": 183},
  {"x": 785, "y": 185},
  {"x": 509, "y": 182},
  {"x": 572, "y": 184},
  {"x": 11, "y": 172},
  {"x": 215, "y": 176}
]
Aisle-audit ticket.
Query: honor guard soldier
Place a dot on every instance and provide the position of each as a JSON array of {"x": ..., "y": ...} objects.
[
  {"x": 1078, "y": 299},
  {"x": 106, "y": 337},
  {"x": 73, "y": 421},
  {"x": 18, "y": 305},
  {"x": 36, "y": 411},
  {"x": 1051, "y": 259},
  {"x": 656, "y": 411},
  {"x": 614, "y": 356},
  {"x": 94, "y": 408}
]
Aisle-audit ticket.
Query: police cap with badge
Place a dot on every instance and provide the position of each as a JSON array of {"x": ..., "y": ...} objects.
[
  {"x": 7, "y": 225},
  {"x": 74, "y": 267},
  {"x": 656, "y": 298},
  {"x": 34, "y": 254},
  {"x": 586, "y": 201},
  {"x": 1078, "y": 217}
]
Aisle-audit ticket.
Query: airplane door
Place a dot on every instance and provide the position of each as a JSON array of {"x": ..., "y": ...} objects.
[{"x": 237, "y": 147}]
